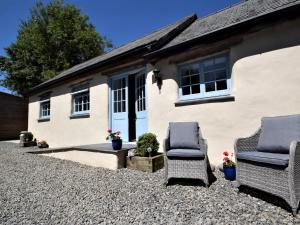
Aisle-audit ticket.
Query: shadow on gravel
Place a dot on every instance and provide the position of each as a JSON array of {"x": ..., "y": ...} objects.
[
  {"x": 186, "y": 182},
  {"x": 267, "y": 197}
]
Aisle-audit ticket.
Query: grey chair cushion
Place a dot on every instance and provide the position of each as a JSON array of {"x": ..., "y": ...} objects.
[
  {"x": 184, "y": 135},
  {"x": 265, "y": 157},
  {"x": 278, "y": 132},
  {"x": 185, "y": 153}
]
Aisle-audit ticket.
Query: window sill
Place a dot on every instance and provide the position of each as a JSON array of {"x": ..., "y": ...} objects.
[
  {"x": 43, "y": 120},
  {"x": 78, "y": 116},
  {"x": 205, "y": 100}
]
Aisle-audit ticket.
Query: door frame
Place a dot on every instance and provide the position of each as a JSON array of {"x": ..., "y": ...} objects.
[{"x": 126, "y": 74}]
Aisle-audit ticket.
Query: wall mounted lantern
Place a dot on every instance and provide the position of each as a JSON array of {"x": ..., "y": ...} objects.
[{"x": 157, "y": 76}]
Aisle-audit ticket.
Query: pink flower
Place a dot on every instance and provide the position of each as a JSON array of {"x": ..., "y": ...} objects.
[
  {"x": 109, "y": 130},
  {"x": 226, "y": 159},
  {"x": 118, "y": 132},
  {"x": 225, "y": 153}
]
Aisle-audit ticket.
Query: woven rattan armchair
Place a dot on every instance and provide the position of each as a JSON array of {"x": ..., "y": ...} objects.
[
  {"x": 185, "y": 152},
  {"x": 275, "y": 172}
]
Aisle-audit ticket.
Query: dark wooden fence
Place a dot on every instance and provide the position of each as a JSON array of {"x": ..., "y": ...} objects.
[{"x": 13, "y": 116}]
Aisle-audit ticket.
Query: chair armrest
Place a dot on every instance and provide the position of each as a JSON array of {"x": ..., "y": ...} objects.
[
  {"x": 247, "y": 144},
  {"x": 203, "y": 145},
  {"x": 294, "y": 161},
  {"x": 166, "y": 144}
]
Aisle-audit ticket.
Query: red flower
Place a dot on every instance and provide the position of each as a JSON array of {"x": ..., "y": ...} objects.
[
  {"x": 109, "y": 130},
  {"x": 226, "y": 159},
  {"x": 225, "y": 153}
]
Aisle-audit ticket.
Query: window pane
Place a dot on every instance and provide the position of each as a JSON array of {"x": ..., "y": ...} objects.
[
  {"x": 119, "y": 95},
  {"x": 210, "y": 86},
  {"x": 123, "y": 82},
  {"x": 117, "y": 84},
  {"x": 209, "y": 76},
  {"x": 123, "y": 106},
  {"x": 185, "y": 72},
  {"x": 115, "y": 107},
  {"x": 220, "y": 62},
  {"x": 195, "y": 79},
  {"x": 85, "y": 99},
  {"x": 221, "y": 85},
  {"x": 186, "y": 81},
  {"x": 195, "y": 89},
  {"x": 194, "y": 71},
  {"x": 123, "y": 94},
  {"x": 208, "y": 64},
  {"x": 221, "y": 74},
  {"x": 186, "y": 90}
]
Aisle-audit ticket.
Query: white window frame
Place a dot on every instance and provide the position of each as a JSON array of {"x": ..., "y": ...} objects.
[
  {"x": 203, "y": 94},
  {"x": 48, "y": 110},
  {"x": 80, "y": 94}
]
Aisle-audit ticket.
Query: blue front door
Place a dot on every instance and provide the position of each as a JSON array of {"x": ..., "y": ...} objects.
[
  {"x": 140, "y": 104},
  {"x": 119, "y": 120}
]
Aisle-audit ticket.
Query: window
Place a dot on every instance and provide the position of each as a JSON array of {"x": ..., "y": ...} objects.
[
  {"x": 119, "y": 95},
  {"x": 207, "y": 78},
  {"x": 140, "y": 93},
  {"x": 81, "y": 102},
  {"x": 45, "y": 109}
]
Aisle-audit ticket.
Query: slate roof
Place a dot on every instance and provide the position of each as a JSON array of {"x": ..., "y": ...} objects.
[
  {"x": 229, "y": 17},
  {"x": 150, "y": 39},
  {"x": 237, "y": 14}
]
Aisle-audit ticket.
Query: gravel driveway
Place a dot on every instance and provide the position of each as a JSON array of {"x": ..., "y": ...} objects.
[{"x": 35, "y": 189}]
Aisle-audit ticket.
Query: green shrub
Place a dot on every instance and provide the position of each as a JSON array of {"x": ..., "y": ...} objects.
[
  {"x": 28, "y": 136},
  {"x": 145, "y": 143}
]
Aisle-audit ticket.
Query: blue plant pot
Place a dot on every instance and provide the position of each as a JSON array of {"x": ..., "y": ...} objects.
[
  {"x": 116, "y": 144},
  {"x": 229, "y": 173}
]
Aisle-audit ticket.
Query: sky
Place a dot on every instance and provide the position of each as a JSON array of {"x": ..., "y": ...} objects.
[{"x": 119, "y": 20}]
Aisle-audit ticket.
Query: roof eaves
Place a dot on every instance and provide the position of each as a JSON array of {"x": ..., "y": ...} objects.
[
  {"x": 89, "y": 68},
  {"x": 155, "y": 44}
]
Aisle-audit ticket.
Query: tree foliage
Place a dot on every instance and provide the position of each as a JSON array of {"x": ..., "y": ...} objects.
[{"x": 54, "y": 38}]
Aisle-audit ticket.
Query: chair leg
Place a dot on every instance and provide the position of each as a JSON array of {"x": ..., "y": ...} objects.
[
  {"x": 294, "y": 210},
  {"x": 166, "y": 182}
]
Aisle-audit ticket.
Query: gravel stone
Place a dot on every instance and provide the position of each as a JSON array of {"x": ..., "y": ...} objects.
[{"x": 36, "y": 189}]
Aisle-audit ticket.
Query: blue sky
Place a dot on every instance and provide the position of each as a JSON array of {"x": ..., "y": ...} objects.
[{"x": 119, "y": 20}]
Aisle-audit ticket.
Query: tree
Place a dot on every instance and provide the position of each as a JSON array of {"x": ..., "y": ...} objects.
[{"x": 54, "y": 38}]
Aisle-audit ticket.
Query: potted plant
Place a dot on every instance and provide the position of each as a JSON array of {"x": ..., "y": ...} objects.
[
  {"x": 42, "y": 144},
  {"x": 145, "y": 157},
  {"x": 26, "y": 139},
  {"x": 116, "y": 140},
  {"x": 229, "y": 166}
]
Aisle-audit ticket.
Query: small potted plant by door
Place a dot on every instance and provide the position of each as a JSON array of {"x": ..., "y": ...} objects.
[
  {"x": 115, "y": 138},
  {"x": 229, "y": 166},
  {"x": 42, "y": 144},
  {"x": 145, "y": 157}
]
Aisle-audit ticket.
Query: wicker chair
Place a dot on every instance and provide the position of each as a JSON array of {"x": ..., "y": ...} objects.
[
  {"x": 269, "y": 160},
  {"x": 185, "y": 152}
]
